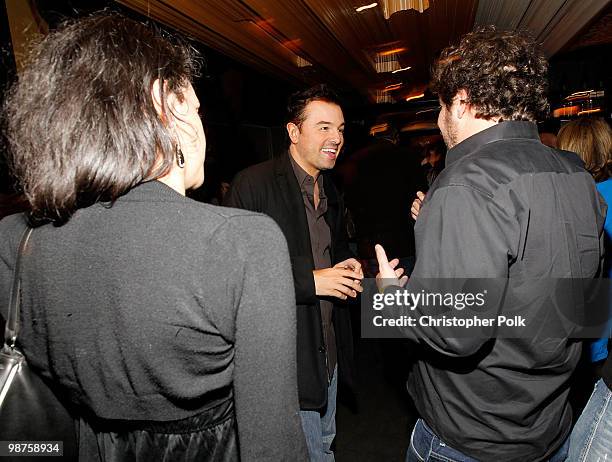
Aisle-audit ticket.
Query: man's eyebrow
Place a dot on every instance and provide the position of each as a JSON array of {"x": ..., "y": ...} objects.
[{"x": 323, "y": 122}]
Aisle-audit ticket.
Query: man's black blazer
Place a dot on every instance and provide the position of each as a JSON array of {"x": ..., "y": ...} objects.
[{"x": 272, "y": 188}]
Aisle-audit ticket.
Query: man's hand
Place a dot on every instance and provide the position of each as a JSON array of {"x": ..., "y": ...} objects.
[
  {"x": 351, "y": 263},
  {"x": 416, "y": 205},
  {"x": 388, "y": 275},
  {"x": 341, "y": 281}
]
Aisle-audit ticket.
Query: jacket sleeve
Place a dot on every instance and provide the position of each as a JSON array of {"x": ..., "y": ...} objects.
[
  {"x": 265, "y": 371},
  {"x": 243, "y": 194},
  {"x": 303, "y": 280}
]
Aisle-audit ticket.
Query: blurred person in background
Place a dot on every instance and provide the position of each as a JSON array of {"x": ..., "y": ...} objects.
[
  {"x": 165, "y": 322},
  {"x": 547, "y": 130},
  {"x": 381, "y": 164},
  {"x": 432, "y": 164},
  {"x": 591, "y": 438},
  {"x": 433, "y": 160}
]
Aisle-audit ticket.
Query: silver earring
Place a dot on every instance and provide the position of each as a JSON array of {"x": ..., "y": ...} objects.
[{"x": 180, "y": 158}]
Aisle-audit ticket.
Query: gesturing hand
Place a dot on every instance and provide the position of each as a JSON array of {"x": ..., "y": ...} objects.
[
  {"x": 341, "y": 281},
  {"x": 416, "y": 205},
  {"x": 388, "y": 275},
  {"x": 351, "y": 263}
]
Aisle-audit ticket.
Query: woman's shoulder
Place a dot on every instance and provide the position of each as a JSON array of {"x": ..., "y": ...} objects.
[
  {"x": 246, "y": 222},
  {"x": 246, "y": 231},
  {"x": 11, "y": 228},
  {"x": 14, "y": 222}
]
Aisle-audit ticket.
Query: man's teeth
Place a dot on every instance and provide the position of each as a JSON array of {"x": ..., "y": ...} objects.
[{"x": 333, "y": 151}]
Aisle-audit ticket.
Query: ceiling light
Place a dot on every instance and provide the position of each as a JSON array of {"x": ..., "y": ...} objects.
[
  {"x": 395, "y": 86},
  {"x": 391, "y": 52},
  {"x": 589, "y": 111},
  {"x": 379, "y": 128},
  {"x": 400, "y": 70},
  {"x": 381, "y": 96},
  {"x": 365, "y": 7},
  {"x": 388, "y": 63},
  {"x": 393, "y": 6},
  {"x": 579, "y": 94},
  {"x": 432, "y": 109},
  {"x": 301, "y": 62},
  {"x": 565, "y": 111},
  {"x": 420, "y": 95}
]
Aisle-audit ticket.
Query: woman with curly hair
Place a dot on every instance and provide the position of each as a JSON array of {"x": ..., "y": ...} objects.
[{"x": 165, "y": 322}]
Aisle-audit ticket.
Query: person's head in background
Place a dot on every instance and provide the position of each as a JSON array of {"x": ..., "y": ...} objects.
[
  {"x": 549, "y": 139},
  {"x": 591, "y": 139},
  {"x": 104, "y": 104},
  {"x": 434, "y": 152},
  {"x": 548, "y": 130}
]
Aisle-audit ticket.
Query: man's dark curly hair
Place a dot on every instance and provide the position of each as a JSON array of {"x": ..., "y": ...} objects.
[{"x": 503, "y": 72}]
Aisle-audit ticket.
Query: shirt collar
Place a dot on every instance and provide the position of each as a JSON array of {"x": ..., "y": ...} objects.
[
  {"x": 512, "y": 129},
  {"x": 305, "y": 180}
]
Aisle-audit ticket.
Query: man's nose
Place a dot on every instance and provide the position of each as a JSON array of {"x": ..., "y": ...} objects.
[{"x": 336, "y": 137}]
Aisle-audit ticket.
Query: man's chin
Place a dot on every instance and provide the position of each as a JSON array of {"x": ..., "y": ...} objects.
[{"x": 328, "y": 164}]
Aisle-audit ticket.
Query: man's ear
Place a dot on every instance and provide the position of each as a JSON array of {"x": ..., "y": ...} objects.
[
  {"x": 294, "y": 132},
  {"x": 462, "y": 104}
]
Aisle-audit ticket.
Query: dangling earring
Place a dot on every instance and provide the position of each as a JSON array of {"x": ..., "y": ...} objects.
[{"x": 180, "y": 158}]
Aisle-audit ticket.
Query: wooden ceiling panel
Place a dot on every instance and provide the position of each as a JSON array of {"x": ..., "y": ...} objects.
[
  {"x": 506, "y": 16},
  {"x": 282, "y": 37},
  {"x": 541, "y": 15},
  {"x": 307, "y": 31},
  {"x": 573, "y": 18},
  {"x": 425, "y": 34},
  {"x": 232, "y": 31},
  {"x": 356, "y": 32},
  {"x": 598, "y": 33},
  {"x": 553, "y": 22}
]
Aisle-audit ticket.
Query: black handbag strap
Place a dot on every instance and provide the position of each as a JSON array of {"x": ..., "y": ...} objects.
[{"x": 12, "y": 321}]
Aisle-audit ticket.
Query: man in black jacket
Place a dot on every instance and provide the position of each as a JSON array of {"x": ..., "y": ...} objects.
[
  {"x": 294, "y": 190},
  {"x": 509, "y": 209}
]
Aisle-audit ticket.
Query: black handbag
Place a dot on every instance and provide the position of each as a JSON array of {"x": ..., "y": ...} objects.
[{"x": 30, "y": 409}]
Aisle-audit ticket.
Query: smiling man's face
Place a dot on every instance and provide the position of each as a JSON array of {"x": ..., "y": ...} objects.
[{"x": 315, "y": 145}]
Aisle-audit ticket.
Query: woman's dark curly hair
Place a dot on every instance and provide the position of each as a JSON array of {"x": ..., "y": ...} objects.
[
  {"x": 80, "y": 122},
  {"x": 504, "y": 74}
]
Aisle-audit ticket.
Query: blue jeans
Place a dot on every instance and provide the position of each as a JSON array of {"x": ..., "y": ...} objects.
[
  {"x": 320, "y": 428},
  {"x": 426, "y": 446},
  {"x": 591, "y": 439}
]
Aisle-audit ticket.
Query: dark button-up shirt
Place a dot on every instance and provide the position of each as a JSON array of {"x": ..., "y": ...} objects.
[
  {"x": 505, "y": 206},
  {"x": 320, "y": 242}
]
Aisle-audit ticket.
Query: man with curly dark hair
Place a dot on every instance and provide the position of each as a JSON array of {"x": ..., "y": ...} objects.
[
  {"x": 500, "y": 75},
  {"x": 505, "y": 208}
]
